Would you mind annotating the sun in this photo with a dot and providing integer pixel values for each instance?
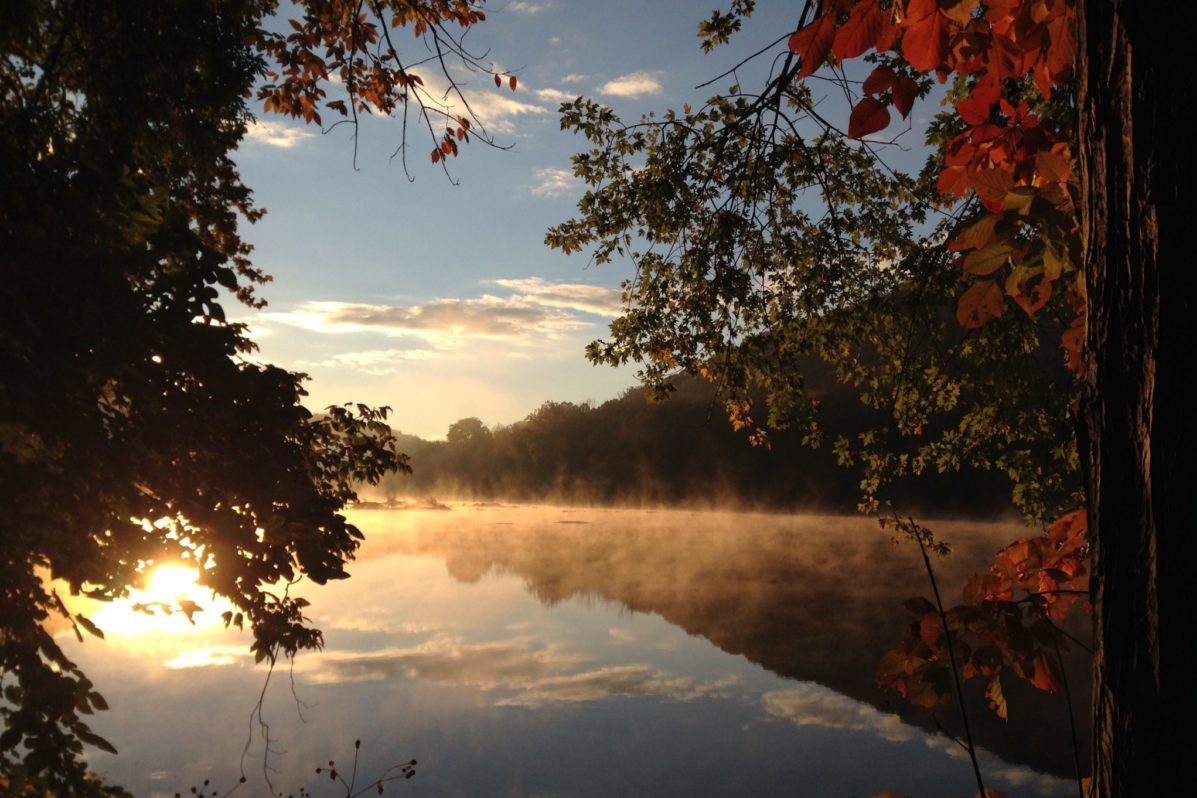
(169, 583)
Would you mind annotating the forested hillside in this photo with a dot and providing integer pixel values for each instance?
(632, 451)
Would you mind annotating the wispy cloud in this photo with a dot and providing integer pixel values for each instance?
(443, 322)
(553, 181)
(374, 361)
(524, 675)
(208, 657)
(574, 77)
(813, 705)
(555, 95)
(524, 7)
(497, 108)
(637, 84)
(277, 134)
(593, 299)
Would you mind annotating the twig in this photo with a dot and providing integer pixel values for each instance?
(943, 618)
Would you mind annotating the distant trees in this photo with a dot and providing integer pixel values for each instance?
(632, 451)
(134, 426)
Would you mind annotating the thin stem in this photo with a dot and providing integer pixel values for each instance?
(943, 619)
(1076, 749)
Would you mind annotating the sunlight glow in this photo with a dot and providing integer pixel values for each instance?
(169, 583)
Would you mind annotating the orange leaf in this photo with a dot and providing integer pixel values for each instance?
(976, 235)
(1053, 166)
(869, 116)
(959, 10)
(992, 186)
(996, 698)
(812, 44)
(1061, 49)
(980, 303)
(925, 44)
(953, 181)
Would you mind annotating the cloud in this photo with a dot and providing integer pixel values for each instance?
(373, 361)
(524, 7)
(574, 77)
(446, 323)
(487, 666)
(525, 676)
(497, 109)
(552, 181)
(208, 657)
(555, 95)
(602, 683)
(813, 705)
(636, 84)
(276, 134)
(594, 299)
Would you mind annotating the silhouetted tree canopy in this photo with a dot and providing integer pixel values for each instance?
(134, 427)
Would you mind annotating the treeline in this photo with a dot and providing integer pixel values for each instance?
(631, 451)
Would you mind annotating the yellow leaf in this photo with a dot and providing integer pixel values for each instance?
(987, 260)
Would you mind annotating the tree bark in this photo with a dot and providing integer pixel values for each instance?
(1137, 132)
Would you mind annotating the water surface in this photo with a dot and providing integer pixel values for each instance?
(578, 652)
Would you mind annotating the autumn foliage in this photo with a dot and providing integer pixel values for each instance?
(1019, 164)
(1011, 63)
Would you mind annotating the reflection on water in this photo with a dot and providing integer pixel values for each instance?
(579, 652)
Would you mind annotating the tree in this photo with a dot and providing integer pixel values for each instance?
(740, 275)
(1136, 167)
(134, 427)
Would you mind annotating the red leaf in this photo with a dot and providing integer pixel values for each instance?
(1047, 675)
(511, 82)
(869, 116)
(812, 44)
(1061, 49)
(925, 44)
(953, 181)
(498, 81)
(905, 90)
(860, 32)
(879, 80)
(980, 303)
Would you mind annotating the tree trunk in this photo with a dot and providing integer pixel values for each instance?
(1137, 128)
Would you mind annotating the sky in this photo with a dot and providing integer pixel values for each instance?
(440, 300)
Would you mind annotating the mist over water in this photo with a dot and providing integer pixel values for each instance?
(584, 651)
